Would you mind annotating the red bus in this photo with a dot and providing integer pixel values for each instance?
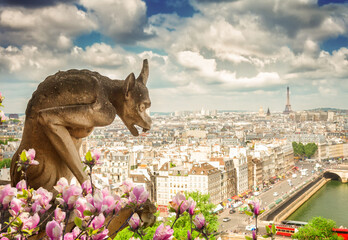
(288, 228)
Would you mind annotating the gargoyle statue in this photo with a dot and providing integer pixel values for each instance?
(65, 108)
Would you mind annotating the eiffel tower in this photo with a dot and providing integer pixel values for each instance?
(288, 105)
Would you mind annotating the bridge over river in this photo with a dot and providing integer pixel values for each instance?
(339, 172)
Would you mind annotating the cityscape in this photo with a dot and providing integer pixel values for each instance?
(232, 156)
(173, 119)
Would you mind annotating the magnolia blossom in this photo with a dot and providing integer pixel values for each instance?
(189, 235)
(29, 158)
(59, 215)
(127, 187)
(254, 234)
(70, 195)
(93, 158)
(192, 205)
(139, 195)
(199, 221)
(255, 207)
(3, 117)
(98, 221)
(29, 222)
(163, 233)
(61, 185)
(73, 235)
(100, 202)
(1, 98)
(15, 207)
(54, 230)
(134, 221)
(87, 187)
(179, 201)
(101, 235)
(22, 184)
(6, 195)
(42, 200)
(80, 207)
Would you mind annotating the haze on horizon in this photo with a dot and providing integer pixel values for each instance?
(224, 55)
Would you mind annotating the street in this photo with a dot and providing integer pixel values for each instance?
(239, 221)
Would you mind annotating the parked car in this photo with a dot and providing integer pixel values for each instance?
(232, 211)
(226, 219)
(275, 194)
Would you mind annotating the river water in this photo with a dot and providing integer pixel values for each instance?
(331, 201)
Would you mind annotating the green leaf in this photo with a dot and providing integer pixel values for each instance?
(88, 156)
(78, 222)
(248, 238)
(24, 156)
(268, 229)
(19, 168)
(265, 236)
(262, 211)
(84, 168)
(87, 213)
(274, 230)
(248, 213)
(95, 231)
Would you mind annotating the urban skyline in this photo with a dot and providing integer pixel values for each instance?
(224, 55)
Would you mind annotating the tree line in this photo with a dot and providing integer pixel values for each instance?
(304, 150)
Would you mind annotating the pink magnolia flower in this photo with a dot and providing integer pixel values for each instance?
(139, 195)
(199, 221)
(30, 222)
(29, 158)
(189, 235)
(22, 184)
(134, 221)
(163, 233)
(80, 207)
(15, 207)
(42, 200)
(254, 235)
(98, 221)
(61, 185)
(100, 203)
(179, 201)
(127, 187)
(255, 207)
(6, 195)
(93, 158)
(70, 195)
(3, 117)
(73, 235)
(192, 205)
(54, 230)
(59, 215)
(87, 187)
(100, 236)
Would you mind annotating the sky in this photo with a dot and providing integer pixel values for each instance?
(222, 54)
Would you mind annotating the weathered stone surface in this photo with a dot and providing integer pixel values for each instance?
(65, 108)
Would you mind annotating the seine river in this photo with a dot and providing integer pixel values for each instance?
(331, 201)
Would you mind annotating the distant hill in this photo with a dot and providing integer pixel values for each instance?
(327, 110)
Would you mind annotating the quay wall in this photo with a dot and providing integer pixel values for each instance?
(284, 209)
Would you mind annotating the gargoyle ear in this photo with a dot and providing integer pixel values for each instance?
(144, 74)
(129, 84)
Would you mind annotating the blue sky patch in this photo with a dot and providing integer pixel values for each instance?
(181, 7)
(335, 44)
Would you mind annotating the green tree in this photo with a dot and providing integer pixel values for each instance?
(310, 149)
(5, 163)
(317, 228)
(299, 149)
(183, 224)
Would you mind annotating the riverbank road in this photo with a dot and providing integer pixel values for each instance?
(285, 186)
